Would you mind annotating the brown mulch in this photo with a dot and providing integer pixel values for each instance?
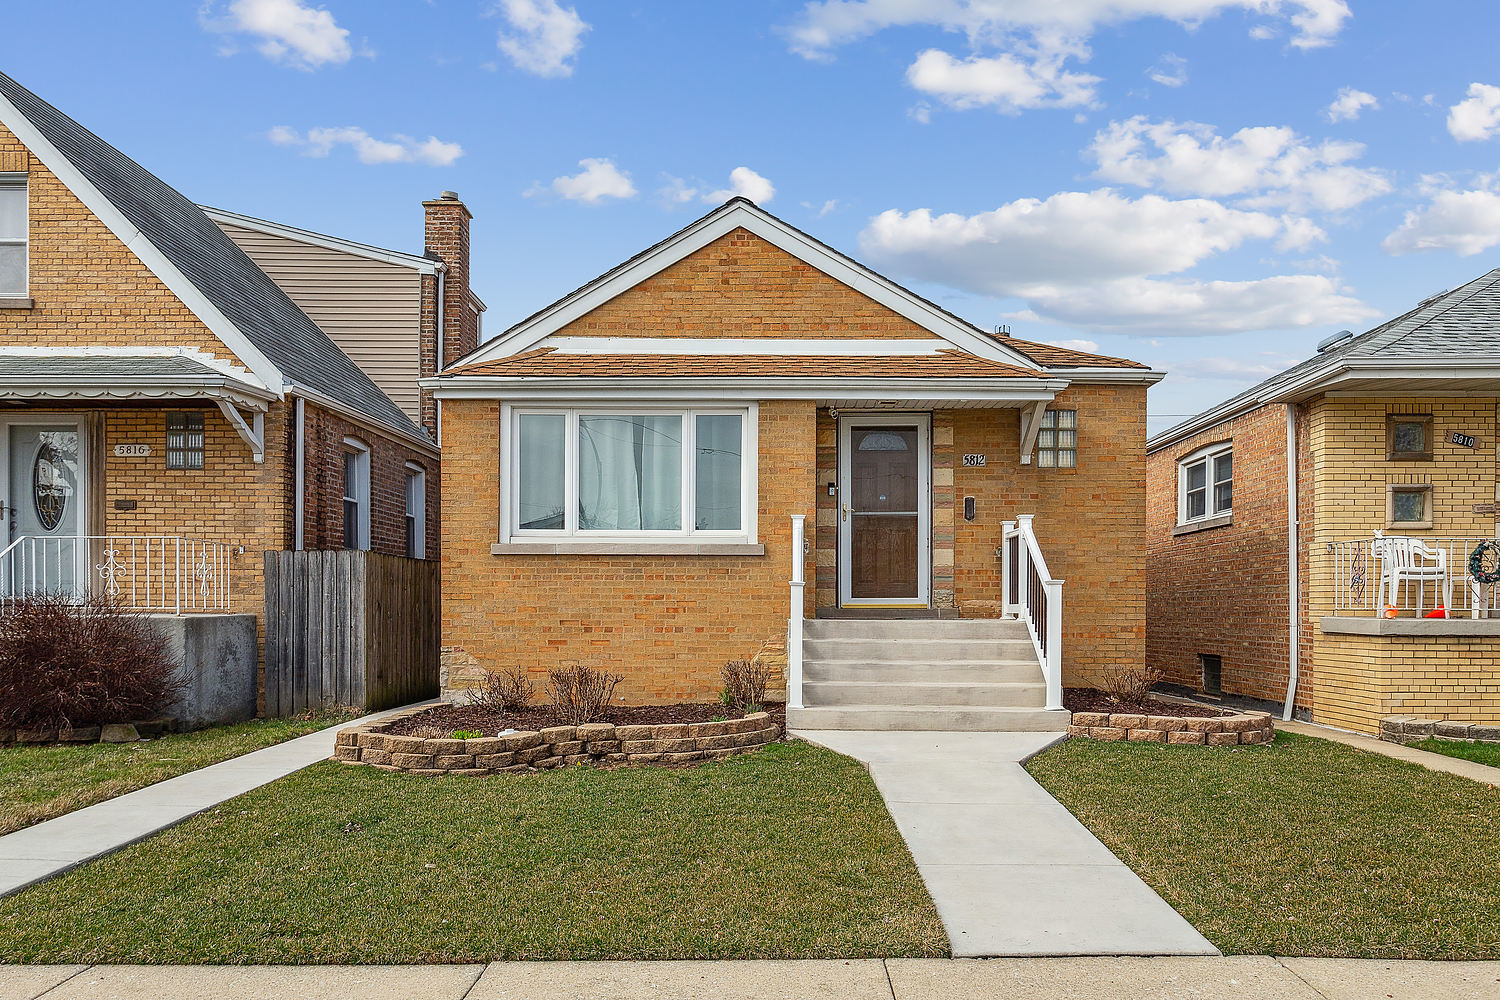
(489, 722)
(1094, 700)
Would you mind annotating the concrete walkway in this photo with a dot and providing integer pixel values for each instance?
(1243, 978)
(47, 849)
(1011, 871)
(1431, 761)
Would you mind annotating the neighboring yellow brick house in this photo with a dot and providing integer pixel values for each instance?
(160, 386)
(1382, 450)
(742, 443)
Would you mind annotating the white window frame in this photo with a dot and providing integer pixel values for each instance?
(571, 533)
(23, 181)
(361, 492)
(1204, 456)
(419, 514)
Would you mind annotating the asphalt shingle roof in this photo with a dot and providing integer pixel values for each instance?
(105, 366)
(547, 362)
(209, 259)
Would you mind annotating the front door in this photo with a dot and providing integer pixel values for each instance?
(43, 495)
(885, 505)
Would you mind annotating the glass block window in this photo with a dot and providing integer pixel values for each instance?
(184, 440)
(1409, 506)
(1057, 441)
(1408, 437)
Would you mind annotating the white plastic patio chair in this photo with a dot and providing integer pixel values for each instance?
(1404, 559)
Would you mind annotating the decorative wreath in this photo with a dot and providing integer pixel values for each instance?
(1484, 562)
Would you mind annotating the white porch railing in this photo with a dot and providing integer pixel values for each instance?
(794, 615)
(1373, 573)
(1035, 597)
(163, 573)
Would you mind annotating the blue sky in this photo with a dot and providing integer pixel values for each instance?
(1077, 169)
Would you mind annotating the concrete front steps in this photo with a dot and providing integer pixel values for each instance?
(967, 675)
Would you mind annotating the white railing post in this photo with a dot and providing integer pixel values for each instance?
(1007, 529)
(794, 616)
(1053, 666)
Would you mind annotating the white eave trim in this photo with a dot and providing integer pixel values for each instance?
(118, 387)
(136, 242)
(715, 225)
(934, 390)
(1142, 376)
(416, 263)
(418, 442)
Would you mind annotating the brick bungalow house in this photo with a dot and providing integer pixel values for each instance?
(635, 473)
(182, 388)
(1379, 452)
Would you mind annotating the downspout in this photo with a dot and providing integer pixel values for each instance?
(300, 453)
(1294, 629)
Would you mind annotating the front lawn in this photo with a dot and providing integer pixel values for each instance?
(40, 782)
(1479, 753)
(786, 852)
(1303, 847)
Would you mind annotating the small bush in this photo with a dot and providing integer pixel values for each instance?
(466, 734)
(745, 685)
(1130, 682)
(429, 732)
(70, 662)
(510, 690)
(580, 694)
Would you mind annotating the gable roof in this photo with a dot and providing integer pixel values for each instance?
(1452, 334)
(224, 217)
(201, 265)
(548, 362)
(1052, 356)
(741, 213)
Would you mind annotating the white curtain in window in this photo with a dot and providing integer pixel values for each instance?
(717, 475)
(630, 473)
(541, 479)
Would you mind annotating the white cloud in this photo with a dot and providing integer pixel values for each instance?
(744, 183)
(1231, 369)
(544, 36)
(598, 181)
(1466, 222)
(1349, 103)
(288, 31)
(431, 151)
(1266, 166)
(1086, 346)
(1476, 117)
(1005, 82)
(1170, 70)
(1097, 260)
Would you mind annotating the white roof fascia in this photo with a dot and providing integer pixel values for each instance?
(136, 242)
(1148, 376)
(418, 442)
(720, 223)
(413, 261)
(113, 387)
(871, 389)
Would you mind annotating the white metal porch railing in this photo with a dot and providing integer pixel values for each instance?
(794, 615)
(1364, 570)
(163, 573)
(1032, 594)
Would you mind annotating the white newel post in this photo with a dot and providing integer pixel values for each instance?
(1054, 644)
(1007, 528)
(794, 617)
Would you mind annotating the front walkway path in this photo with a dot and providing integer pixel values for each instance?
(1244, 978)
(1011, 870)
(1428, 759)
(39, 852)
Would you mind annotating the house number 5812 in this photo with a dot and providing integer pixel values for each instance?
(973, 459)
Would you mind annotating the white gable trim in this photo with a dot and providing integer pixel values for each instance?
(416, 263)
(738, 346)
(136, 242)
(739, 214)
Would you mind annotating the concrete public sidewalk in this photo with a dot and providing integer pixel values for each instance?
(1243, 978)
(1011, 871)
(48, 849)
(1432, 761)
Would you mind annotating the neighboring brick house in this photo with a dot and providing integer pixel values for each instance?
(623, 470)
(1392, 432)
(179, 383)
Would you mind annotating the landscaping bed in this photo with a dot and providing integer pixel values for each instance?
(784, 853)
(1155, 720)
(1094, 700)
(488, 721)
(1304, 847)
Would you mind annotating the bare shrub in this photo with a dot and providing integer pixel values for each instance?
(745, 684)
(66, 661)
(1130, 682)
(429, 733)
(580, 694)
(510, 690)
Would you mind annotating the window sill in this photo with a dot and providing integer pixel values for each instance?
(1348, 625)
(16, 303)
(1408, 526)
(585, 548)
(1221, 521)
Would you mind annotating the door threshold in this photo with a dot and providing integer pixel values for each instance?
(886, 613)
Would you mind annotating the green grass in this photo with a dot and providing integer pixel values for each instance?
(1303, 847)
(1479, 753)
(40, 782)
(786, 852)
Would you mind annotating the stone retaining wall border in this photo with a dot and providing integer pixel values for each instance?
(1414, 729)
(1244, 729)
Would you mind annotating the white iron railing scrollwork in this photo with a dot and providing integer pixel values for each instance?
(162, 573)
(1031, 593)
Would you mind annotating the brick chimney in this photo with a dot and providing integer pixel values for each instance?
(447, 239)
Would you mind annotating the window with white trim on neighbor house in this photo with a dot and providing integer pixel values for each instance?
(416, 511)
(1205, 483)
(13, 236)
(637, 473)
(356, 494)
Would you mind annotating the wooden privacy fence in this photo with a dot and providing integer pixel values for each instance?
(349, 628)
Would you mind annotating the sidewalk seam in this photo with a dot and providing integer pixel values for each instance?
(69, 979)
(482, 970)
(1300, 977)
(885, 966)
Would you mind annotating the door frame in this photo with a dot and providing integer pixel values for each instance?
(85, 472)
(886, 418)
